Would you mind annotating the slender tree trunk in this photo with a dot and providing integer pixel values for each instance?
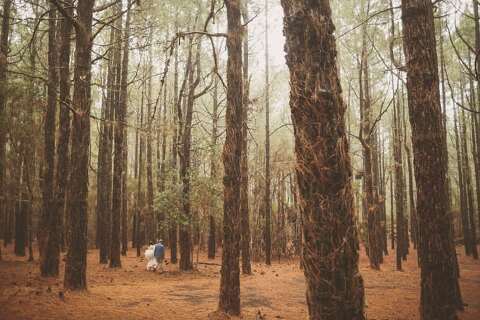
(76, 263)
(213, 172)
(50, 238)
(439, 287)
(468, 187)
(334, 287)
(63, 159)
(3, 104)
(463, 211)
(399, 187)
(20, 212)
(172, 222)
(118, 170)
(477, 116)
(185, 230)
(368, 144)
(268, 200)
(244, 205)
(141, 171)
(149, 215)
(232, 153)
(122, 117)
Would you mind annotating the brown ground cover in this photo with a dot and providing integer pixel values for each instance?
(278, 291)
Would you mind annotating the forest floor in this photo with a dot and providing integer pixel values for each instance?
(278, 291)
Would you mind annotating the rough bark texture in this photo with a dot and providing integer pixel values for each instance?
(104, 172)
(399, 186)
(118, 169)
(49, 228)
(185, 232)
(244, 206)
(3, 102)
(438, 280)
(330, 255)
(76, 262)
(232, 152)
(63, 159)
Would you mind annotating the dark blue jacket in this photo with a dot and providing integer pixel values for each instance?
(159, 251)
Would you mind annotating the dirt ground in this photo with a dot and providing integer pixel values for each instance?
(278, 291)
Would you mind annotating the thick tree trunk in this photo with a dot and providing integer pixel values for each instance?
(334, 287)
(232, 153)
(439, 293)
(76, 263)
(49, 227)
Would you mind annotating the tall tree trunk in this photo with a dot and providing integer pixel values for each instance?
(185, 229)
(63, 159)
(50, 232)
(268, 200)
(76, 263)
(244, 206)
(468, 186)
(20, 212)
(369, 163)
(334, 287)
(477, 116)
(104, 172)
(123, 113)
(439, 287)
(141, 172)
(232, 153)
(149, 215)
(463, 210)
(176, 105)
(213, 172)
(399, 186)
(3, 104)
(118, 169)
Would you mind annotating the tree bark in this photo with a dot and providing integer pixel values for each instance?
(119, 125)
(104, 172)
(268, 200)
(467, 242)
(334, 286)
(76, 262)
(3, 104)
(232, 153)
(50, 233)
(244, 205)
(63, 159)
(439, 293)
(123, 110)
(213, 173)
